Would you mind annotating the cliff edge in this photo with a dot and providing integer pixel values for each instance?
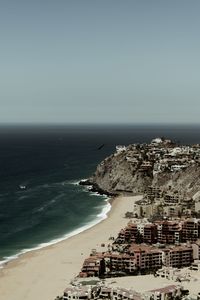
(161, 163)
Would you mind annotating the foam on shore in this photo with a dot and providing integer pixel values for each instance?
(28, 276)
(99, 218)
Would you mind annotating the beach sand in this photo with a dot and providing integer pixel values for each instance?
(44, 274)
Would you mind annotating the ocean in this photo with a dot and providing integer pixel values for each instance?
(41, 202)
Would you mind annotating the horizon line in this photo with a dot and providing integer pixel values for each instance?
(33, 124)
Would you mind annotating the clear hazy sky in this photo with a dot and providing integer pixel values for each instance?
(105, 61)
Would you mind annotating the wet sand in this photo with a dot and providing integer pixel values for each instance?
(44, 274)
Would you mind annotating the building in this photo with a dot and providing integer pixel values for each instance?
(131, 232)
(146, 166)
(146, 257)
(148, 233)
(138, 233)
(190, 230)
(116, 262)
(168, 232)
(124, 294)
(153, 193)
(77, 293)
(168, 292)
(195, 265)
(93, 266)
(171, 198)
(196, 250)
(178, 256)
(172, 211)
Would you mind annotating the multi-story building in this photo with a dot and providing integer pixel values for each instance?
(91, 266)
(163, 232)
(148, 233)
(168, 232)
(153, 192)
(116, 262)
(146, 257)
(138, 233)
(131, 232)
(139, 257)
(172, 211)
(190, 230)
(171, 198)
(168, 292)
(178, 256)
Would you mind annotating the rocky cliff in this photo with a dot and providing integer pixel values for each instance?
(125, 172)
(116, 175)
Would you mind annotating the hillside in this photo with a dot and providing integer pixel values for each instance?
(162, 163)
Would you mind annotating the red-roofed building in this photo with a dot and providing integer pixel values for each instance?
(168, 292)
(146, 257)
(190, 230)
(178, 257)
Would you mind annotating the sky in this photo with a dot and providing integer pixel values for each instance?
(106, 61)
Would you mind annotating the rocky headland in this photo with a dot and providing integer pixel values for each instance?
(162, 163)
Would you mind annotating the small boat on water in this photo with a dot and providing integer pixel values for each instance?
(22, 187)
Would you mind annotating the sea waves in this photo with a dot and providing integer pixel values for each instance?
(95, 220)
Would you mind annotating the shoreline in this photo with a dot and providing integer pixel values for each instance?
(99, 218)
(46, 272)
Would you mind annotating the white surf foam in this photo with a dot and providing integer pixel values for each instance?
(76, 182)
(99, 218)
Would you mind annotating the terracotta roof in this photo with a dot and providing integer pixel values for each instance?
(145, 248)
(181, 248)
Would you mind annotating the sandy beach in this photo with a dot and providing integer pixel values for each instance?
(44, 274)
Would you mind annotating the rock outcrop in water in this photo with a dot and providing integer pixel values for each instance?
(161, 163)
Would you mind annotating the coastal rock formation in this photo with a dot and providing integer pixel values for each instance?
(162, 163)
(116, 175)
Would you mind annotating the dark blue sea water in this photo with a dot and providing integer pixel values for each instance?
(48, 161)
